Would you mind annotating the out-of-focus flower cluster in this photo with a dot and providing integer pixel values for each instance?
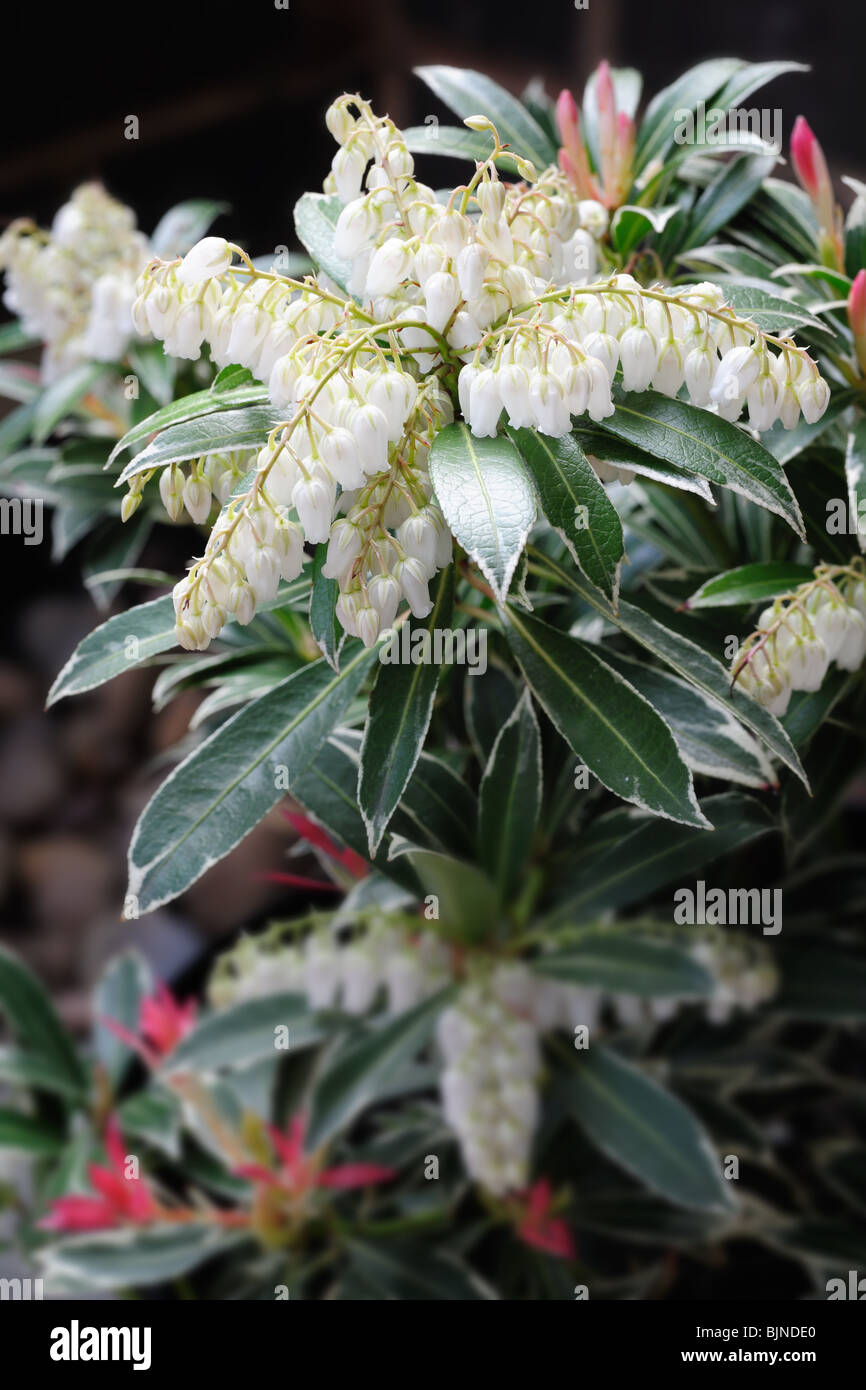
(489, 1036)
(798, 636)
(487, 300)
(73, 287)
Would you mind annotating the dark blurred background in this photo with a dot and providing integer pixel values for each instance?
(230, 98)
(230, 102)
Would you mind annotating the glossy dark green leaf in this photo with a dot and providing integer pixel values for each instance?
(486, 495)
(469, 93)
(687, 660)
(192, 407)
(323, 618)
(358, 1071)
(749, 584)
(613, 729)
(627, 857)
(646, 1130)
(33, 1021)
(575, 504)
(228, 783)
(702, 443)
(315, 219)
(622, 961)
(217, 432)
(510, 799)
(400, 710)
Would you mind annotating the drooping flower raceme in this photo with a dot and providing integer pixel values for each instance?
(73, 287)
(489, 302)
(489, 1037)
(798, 636)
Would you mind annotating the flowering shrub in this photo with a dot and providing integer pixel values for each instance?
(518, 409)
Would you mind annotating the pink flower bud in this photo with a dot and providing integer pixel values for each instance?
(857, 316)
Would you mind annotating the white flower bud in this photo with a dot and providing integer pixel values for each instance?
(485, 405)
(418, 536)
(209, 257)
(344, 547)
(355, 226)
(471, 265)
(639, 356)
(490, 196)
(735, 373)
(369, 426)
(171, 491)
(390, 266)
(441, 297)
(197, 499)
(700, 369)
(412, 578)
(313, 500)
(383, 592)
(341, 457)
(348, 167)
(814, 397)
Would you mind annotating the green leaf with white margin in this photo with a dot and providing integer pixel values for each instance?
(646, 1130)
(748, 584)
(130, 639)
(630, 224)
(135, 1257)
(510, 799)
(663, 116)
(711, 741)
(394, 1271)
(30, 1071)
(315, 220)
(619, 454)
(576, 505)
(855, 474)
(28, 1133)
(467, 902)
(613, 729)
(469, 93)
(455, 142)
(155, 1116)
(191, 407)
(688, 660)
(623, 961)
(726, 195)
(486, 497)
(244, 1033)
(702, 443)
(183, 225)
(360, 1070)
(772, 313)
(126, 981)
(32, 1019)
(220, 431)
(323, 617)
(399, 713)
(63, 395)
(227, 784)
(625, 857)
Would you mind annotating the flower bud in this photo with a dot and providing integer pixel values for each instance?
(209, 257)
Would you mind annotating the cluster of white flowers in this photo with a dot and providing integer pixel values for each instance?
(743, 974)
(73, 287)
(489, 1037)
(799, 635)
(486, 297)
(558, 359)
(380, 962)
